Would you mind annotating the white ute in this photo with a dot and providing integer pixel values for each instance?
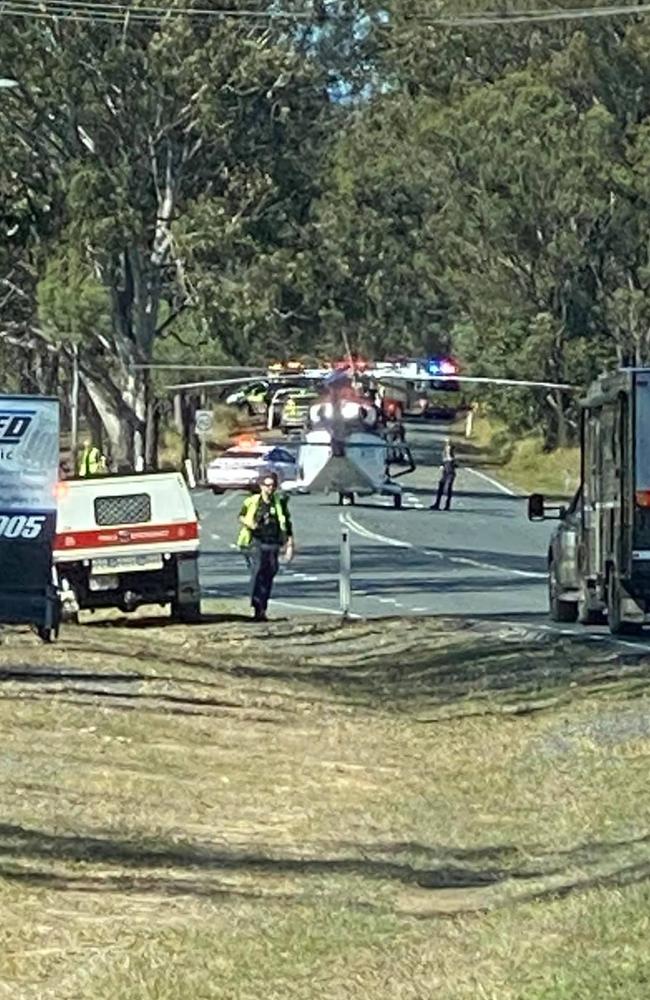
(124, 541)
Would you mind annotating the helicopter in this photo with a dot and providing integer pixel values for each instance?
(346, 450)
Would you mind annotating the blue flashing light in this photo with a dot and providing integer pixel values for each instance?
(442, 366)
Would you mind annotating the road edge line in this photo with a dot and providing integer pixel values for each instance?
(494, 482)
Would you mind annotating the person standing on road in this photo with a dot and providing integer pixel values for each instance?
(447, 476)
(265, 531)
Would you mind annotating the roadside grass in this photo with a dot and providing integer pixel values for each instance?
(523, 463)
(307, 809)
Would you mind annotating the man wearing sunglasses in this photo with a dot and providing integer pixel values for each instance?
(265, 531)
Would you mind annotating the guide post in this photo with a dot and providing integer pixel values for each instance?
(345, 569)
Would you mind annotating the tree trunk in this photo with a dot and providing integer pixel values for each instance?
(151, 435)
(562, 430)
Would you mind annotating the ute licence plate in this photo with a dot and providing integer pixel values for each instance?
(125, 564)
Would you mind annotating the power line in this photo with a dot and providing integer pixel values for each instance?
(535, 16)
(118, 12)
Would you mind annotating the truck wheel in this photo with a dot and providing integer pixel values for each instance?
(397, 501)
(49, 633)
(559, 610)
(587, 615)
(617, 624)
(189, 613)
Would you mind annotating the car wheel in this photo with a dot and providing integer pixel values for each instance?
(559, 610)
(217, 490)
(397, 501)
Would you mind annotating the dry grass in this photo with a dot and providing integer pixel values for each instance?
(524, 463)
(386, 809)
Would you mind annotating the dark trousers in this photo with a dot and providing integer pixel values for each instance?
(445, 486)
(263, 563)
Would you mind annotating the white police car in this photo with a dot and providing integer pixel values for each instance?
(241, 466)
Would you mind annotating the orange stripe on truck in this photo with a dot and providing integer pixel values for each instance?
(66, 541)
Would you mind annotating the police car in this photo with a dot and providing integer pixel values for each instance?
(241, 466)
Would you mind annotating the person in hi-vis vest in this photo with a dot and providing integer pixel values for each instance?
(265, 531)
(91, 460)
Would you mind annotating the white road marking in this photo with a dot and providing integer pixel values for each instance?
(359, 529)
(633, 645)
(215, 537)
(225, 500)
(494, 482)
(364, 532)
(310, 607)
(419, 609)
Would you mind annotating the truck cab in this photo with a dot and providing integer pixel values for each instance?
(599, 555)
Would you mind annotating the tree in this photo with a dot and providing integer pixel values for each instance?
(137, 130)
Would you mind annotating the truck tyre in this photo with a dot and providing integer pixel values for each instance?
(48, 633)
(189, 613)
(587, 615)
(397, 501)
(617, 624)
(559, 610)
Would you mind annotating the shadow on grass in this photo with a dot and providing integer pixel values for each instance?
(386, 667)
(21, 843)
(152, 621)
(460, 869)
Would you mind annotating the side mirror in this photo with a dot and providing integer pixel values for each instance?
(536, 507)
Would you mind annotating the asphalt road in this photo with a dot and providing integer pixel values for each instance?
(483, 558)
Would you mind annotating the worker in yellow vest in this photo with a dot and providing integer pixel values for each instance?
(91, 461)
(265, 531)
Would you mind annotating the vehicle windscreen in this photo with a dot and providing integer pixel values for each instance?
(642, 435)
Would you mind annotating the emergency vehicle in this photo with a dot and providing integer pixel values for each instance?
(599, 555)
(125, 541)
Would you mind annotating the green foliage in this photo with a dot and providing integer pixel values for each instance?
(227, 191)
(71, 304)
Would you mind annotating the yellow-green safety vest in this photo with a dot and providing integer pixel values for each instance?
(90, 461)
(251, 504)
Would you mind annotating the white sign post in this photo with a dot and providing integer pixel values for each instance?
(345, 569)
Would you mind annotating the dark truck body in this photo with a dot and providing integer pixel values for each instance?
(599, 556)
